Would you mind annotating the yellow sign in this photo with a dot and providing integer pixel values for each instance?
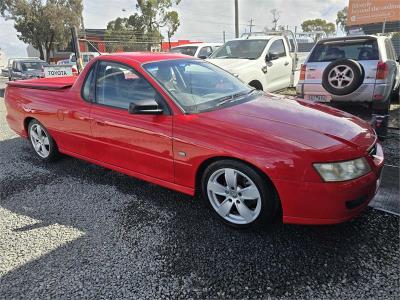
(373, 11)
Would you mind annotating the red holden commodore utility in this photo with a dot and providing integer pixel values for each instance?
(190, 126)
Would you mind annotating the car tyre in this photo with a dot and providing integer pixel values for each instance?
(238, 195)
(342, 77)
(42, 142)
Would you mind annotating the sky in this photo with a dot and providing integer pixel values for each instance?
(202, 20)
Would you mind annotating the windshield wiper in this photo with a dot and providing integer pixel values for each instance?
(231, 98)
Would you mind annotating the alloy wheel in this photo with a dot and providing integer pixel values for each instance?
(40, 140)
(341, 76)
(234, 196)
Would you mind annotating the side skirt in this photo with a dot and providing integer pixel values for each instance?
(163, 183)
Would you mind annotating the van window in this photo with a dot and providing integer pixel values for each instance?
(357, 50)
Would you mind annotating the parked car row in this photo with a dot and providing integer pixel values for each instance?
(357, 69)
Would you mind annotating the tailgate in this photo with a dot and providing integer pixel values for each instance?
(57, 83)
(315, 71)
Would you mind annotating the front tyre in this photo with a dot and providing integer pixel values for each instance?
(42, 142)
(238, 195)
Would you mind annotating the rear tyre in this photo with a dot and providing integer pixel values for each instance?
(342, 77)
(238, 195)
(42, 142)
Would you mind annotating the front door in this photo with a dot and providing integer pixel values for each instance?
(140, 143)
(279, 67)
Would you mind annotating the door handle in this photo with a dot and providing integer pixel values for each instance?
(286, 63)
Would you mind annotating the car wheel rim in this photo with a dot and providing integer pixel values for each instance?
(40, 140)
(234, 196)
(341, 77)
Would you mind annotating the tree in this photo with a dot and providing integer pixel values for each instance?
(43, 24)
(157, 14)
(142, 29)
(276, 15)
(171, 21)
(341, 19)
(318, 25)
(125, 34)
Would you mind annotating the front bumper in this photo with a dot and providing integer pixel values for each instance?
(328, 202)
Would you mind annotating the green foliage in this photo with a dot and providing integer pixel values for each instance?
(341, 19)
(318, 25)
(125, 34)
(171, 21)
(142, 29)
(43, 24)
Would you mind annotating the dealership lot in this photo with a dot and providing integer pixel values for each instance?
(72, 229)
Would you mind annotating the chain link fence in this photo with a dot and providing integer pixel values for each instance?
(111, 42)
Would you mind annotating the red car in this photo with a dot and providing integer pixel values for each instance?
(187, 125)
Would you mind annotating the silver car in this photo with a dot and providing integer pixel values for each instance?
(352, 69)
(26, 69)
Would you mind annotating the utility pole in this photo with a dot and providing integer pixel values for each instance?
(251, 25)
(77, 51)
(223, 36)
(84, 32)
(236, 18)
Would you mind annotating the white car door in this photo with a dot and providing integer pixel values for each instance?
(279, 67)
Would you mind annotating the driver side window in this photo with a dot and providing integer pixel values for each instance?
(118, 85)
(277, 48)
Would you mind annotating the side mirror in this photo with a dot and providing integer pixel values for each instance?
(272, 56)
(145, 107)
(203, 56)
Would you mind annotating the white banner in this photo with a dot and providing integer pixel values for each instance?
(57, 71)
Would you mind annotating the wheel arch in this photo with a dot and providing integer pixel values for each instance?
(27, 120)
(204, 164)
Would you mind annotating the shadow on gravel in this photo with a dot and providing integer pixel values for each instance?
(145, 241)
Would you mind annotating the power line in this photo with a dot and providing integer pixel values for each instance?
(251, 24)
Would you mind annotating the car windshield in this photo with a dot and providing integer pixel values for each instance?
(351, 49)
(32, 66)
(247, 49)
(198, 85)
(188, 50)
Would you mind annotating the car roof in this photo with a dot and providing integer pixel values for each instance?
(198, 44)
(144, 57)
(256, 37)
(348, 38)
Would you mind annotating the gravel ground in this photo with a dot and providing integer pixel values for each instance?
(75, 230)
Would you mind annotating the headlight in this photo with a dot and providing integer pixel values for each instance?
(342, 171)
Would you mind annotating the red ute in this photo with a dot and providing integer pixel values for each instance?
(187, 125)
